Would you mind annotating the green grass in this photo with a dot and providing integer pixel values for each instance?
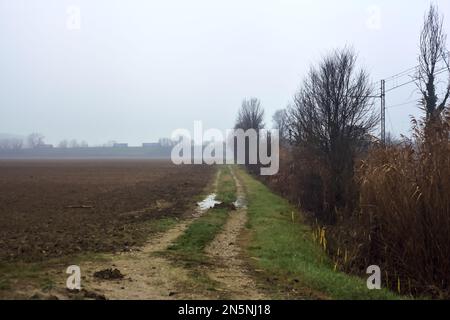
(189, 247)
(285, 249)
(31, 273)
(161, 224)
(226, 189)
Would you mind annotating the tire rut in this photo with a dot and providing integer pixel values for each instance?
(147, 274)
(228, 268)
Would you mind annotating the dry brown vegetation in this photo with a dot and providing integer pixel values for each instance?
(373, 203)
(405, 210)
(399, 214)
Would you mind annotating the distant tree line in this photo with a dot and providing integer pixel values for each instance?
(37, 140)
(34, 140)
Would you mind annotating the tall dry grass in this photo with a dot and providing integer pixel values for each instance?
(398, 215)
(405, 211)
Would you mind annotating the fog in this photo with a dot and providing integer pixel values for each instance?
(134, 71)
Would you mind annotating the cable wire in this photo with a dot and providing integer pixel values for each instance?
(401, 104)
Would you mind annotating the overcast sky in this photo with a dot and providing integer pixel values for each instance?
(134, 71)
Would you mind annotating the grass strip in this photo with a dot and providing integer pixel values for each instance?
(190, 246)
(284, 248)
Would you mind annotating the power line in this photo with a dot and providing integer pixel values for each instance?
(442, 70)
(401, 74)
(383, 91)
(401, 104)
(401, 85)
(405, 72)
(382, 95)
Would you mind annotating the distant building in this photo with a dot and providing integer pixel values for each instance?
(120, 145)
(150, 145)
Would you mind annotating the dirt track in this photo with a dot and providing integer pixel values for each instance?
(148, 275)
(228, 267)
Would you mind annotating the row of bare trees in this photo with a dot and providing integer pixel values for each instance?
(64, 144)
(34, 140)
(384, 204)
(11, 144)
(37, 140)
(331, 122)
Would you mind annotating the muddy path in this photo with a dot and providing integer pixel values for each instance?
(228, 268)
(148, 274)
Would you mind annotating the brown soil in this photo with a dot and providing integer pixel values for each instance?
(144, 273)
(54, 208)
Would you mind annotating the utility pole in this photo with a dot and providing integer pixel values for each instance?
(382, 97)
(383, 112)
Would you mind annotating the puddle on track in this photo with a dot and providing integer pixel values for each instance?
(207, 203)
(210, 201)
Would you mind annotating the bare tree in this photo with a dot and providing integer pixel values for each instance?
(331, 119)
(4, 144)
(279, 119)
(16, 143)
(433, 58)
(73, 144)
(251, 115)
(11, 144)
(63, 144)
(35, 140)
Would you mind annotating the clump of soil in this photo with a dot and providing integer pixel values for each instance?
(109, 274)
